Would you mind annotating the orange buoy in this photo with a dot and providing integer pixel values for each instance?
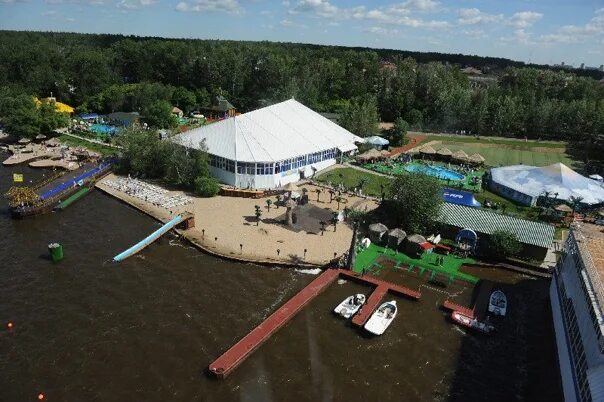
(9, 325)
(40, 397)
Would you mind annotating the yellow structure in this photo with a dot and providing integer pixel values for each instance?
(59, 106)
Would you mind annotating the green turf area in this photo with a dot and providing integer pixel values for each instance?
(515, 143)
(396, 168)
(504, 155)
(76, 142)
(366, 261)
(350, 178)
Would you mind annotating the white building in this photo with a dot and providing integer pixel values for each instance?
(577, 297)
(272, 146)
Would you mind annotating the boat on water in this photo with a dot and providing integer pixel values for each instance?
(350, 305)
(498, 303)
(381, 319)
(471, 322)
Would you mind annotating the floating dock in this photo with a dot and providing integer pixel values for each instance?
(166, 227)
(233, 357)
(73, 198)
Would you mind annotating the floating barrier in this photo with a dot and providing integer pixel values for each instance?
(73, 198)
(150, 239)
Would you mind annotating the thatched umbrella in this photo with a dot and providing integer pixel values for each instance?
(290, 187)
(53, 142)
(24, 141)
(427, 150)
(376, 232)
(460, 155)
(40, 137)
(396, 237)
(444, 152)
(476, 158)
(563, 208)
(371, 154)
(385, 153)
(412, 243)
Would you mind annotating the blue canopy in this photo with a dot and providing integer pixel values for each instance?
(375, 140)
(89, 116)
(460, 197)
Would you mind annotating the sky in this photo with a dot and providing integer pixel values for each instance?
(538, 31)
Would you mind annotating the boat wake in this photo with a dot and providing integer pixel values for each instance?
(309, 271)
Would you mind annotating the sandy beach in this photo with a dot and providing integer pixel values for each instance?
(227, 227)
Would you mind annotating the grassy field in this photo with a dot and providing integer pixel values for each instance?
(350, 178)
(503, 152)
(76, 142)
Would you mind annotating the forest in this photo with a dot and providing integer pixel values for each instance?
(105, 73)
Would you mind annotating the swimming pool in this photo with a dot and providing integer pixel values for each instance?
(103, 129)
(435, 171)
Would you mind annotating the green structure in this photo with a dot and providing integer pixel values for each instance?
(367, 261)
(73, 198)
(56, 252)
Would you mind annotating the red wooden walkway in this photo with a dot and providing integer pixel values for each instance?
(457, 307)
(372, 280)
(369, 307)
(226, 363)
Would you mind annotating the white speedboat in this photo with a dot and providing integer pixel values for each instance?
(471, 322)
(350, 305)
(498, 303)
(381, 318)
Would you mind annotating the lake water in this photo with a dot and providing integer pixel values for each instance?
(87, 329)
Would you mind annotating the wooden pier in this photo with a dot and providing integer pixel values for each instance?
(449, 305)
(233, 357)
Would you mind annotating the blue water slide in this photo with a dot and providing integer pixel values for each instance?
(149, 239)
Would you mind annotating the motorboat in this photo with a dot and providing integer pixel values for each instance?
(381, 318)
(350, 305)
(498, 303)
(471, 322)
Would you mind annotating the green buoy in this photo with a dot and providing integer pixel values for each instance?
(56, 252)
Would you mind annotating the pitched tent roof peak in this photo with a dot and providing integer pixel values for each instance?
(272, 133)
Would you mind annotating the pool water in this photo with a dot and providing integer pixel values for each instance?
(435, 171)
(103, 129)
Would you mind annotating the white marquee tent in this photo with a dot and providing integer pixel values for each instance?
(272, 146)
(526, 184)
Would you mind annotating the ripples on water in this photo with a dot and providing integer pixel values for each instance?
(91, 330)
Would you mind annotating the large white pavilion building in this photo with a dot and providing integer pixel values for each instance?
(272, 146)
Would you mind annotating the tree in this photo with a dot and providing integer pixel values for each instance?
(360, 116)
(258, 215)
(334, 221)
(318, 191)
(416, 201)
(504, 244)
(21, 117)
(268, 204)
(323, 224)
(159, 114)
(398, 133)
(575, 202)
(184, 99)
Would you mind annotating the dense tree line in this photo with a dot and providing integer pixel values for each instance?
(105, 73)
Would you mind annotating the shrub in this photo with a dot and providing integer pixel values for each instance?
(206, 186)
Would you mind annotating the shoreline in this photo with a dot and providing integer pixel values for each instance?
(198, 243)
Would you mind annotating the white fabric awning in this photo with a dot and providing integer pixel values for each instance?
(274, 133)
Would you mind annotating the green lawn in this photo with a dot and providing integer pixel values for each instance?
(511, 143)
(367, 259)
(76, 142)
(350, 178)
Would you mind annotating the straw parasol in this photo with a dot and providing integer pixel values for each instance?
(53, 142)
(476, 158)
(40, 137)
(396, 237)
(371, 154)
(24, 141)
(460, 155)
(290, 187)
(427, 150)
(444, 152)
(563, 208)
(385, 153)
(376, 232)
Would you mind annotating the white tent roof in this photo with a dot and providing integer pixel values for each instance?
(556, 178)
(281, 131)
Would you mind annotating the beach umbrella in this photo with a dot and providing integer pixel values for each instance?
(563, 208)
(476, 158)
(376, 232)
(396, 237)
(290, 187)
(427, 150)
(24, 140)
(40, 137)
(444, 152)
(460, 155)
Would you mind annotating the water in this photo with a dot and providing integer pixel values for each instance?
(436, 171)
(103, 129)
(146, 329)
